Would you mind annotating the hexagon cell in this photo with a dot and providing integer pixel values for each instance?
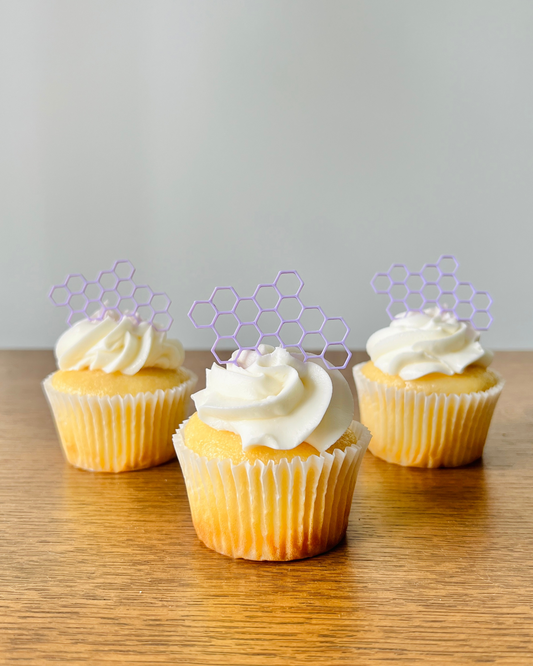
(111, 299)
(337, 348)
(75, 283)
(312, 319)
(143, 294)
(224, 299)
(291, 332)
(160, 302)
(247, 333)
(162, 321)
(113, 290)
(93, 291)
(125, 288)
(290, 307)
(247, 310)
(123, 269)
(398, 273)
(266, 296)
(219, 347)
(77, 303)
(381, 283)
(202, 314)
(279, 309)
(335, 330)
(434, 284)
(288, 283)
(108, 279)
(430, 273)
(59, 295)
(226, 324)
(448, 264)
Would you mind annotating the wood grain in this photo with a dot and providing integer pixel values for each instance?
(437, 567)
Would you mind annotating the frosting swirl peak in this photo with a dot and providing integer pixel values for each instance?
(271, 398)
(420, 343)
(117, 345)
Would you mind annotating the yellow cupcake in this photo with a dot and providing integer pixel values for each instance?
(119, 394)
(258, 491)
(427, 395)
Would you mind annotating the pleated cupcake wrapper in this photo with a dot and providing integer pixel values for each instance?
(274, 511)
(417, 430)
(119, 434)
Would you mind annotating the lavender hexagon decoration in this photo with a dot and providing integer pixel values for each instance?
(112, 291)
(434, 285)
(274, 314)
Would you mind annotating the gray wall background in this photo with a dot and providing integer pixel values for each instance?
(216, 142)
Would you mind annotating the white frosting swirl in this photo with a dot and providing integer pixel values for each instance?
(419, 343)
(117, 345)
(273, 399)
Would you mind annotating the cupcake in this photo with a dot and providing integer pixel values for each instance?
(270, 458)
(427, 394)
(119, 393)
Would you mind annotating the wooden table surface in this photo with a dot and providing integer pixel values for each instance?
(437, 567)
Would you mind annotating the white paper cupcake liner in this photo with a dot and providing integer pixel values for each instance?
(413, 429)
(119, 434)
(274, 511)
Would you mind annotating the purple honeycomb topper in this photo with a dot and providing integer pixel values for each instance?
(434, 285)
(275, 315)
(113, 291)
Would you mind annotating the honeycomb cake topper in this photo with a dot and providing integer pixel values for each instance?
(112, 292)
(434, 285)
(273, 313)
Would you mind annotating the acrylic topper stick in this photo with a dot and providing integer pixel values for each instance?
(286, 316)
(434, 285)
(113, 291)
